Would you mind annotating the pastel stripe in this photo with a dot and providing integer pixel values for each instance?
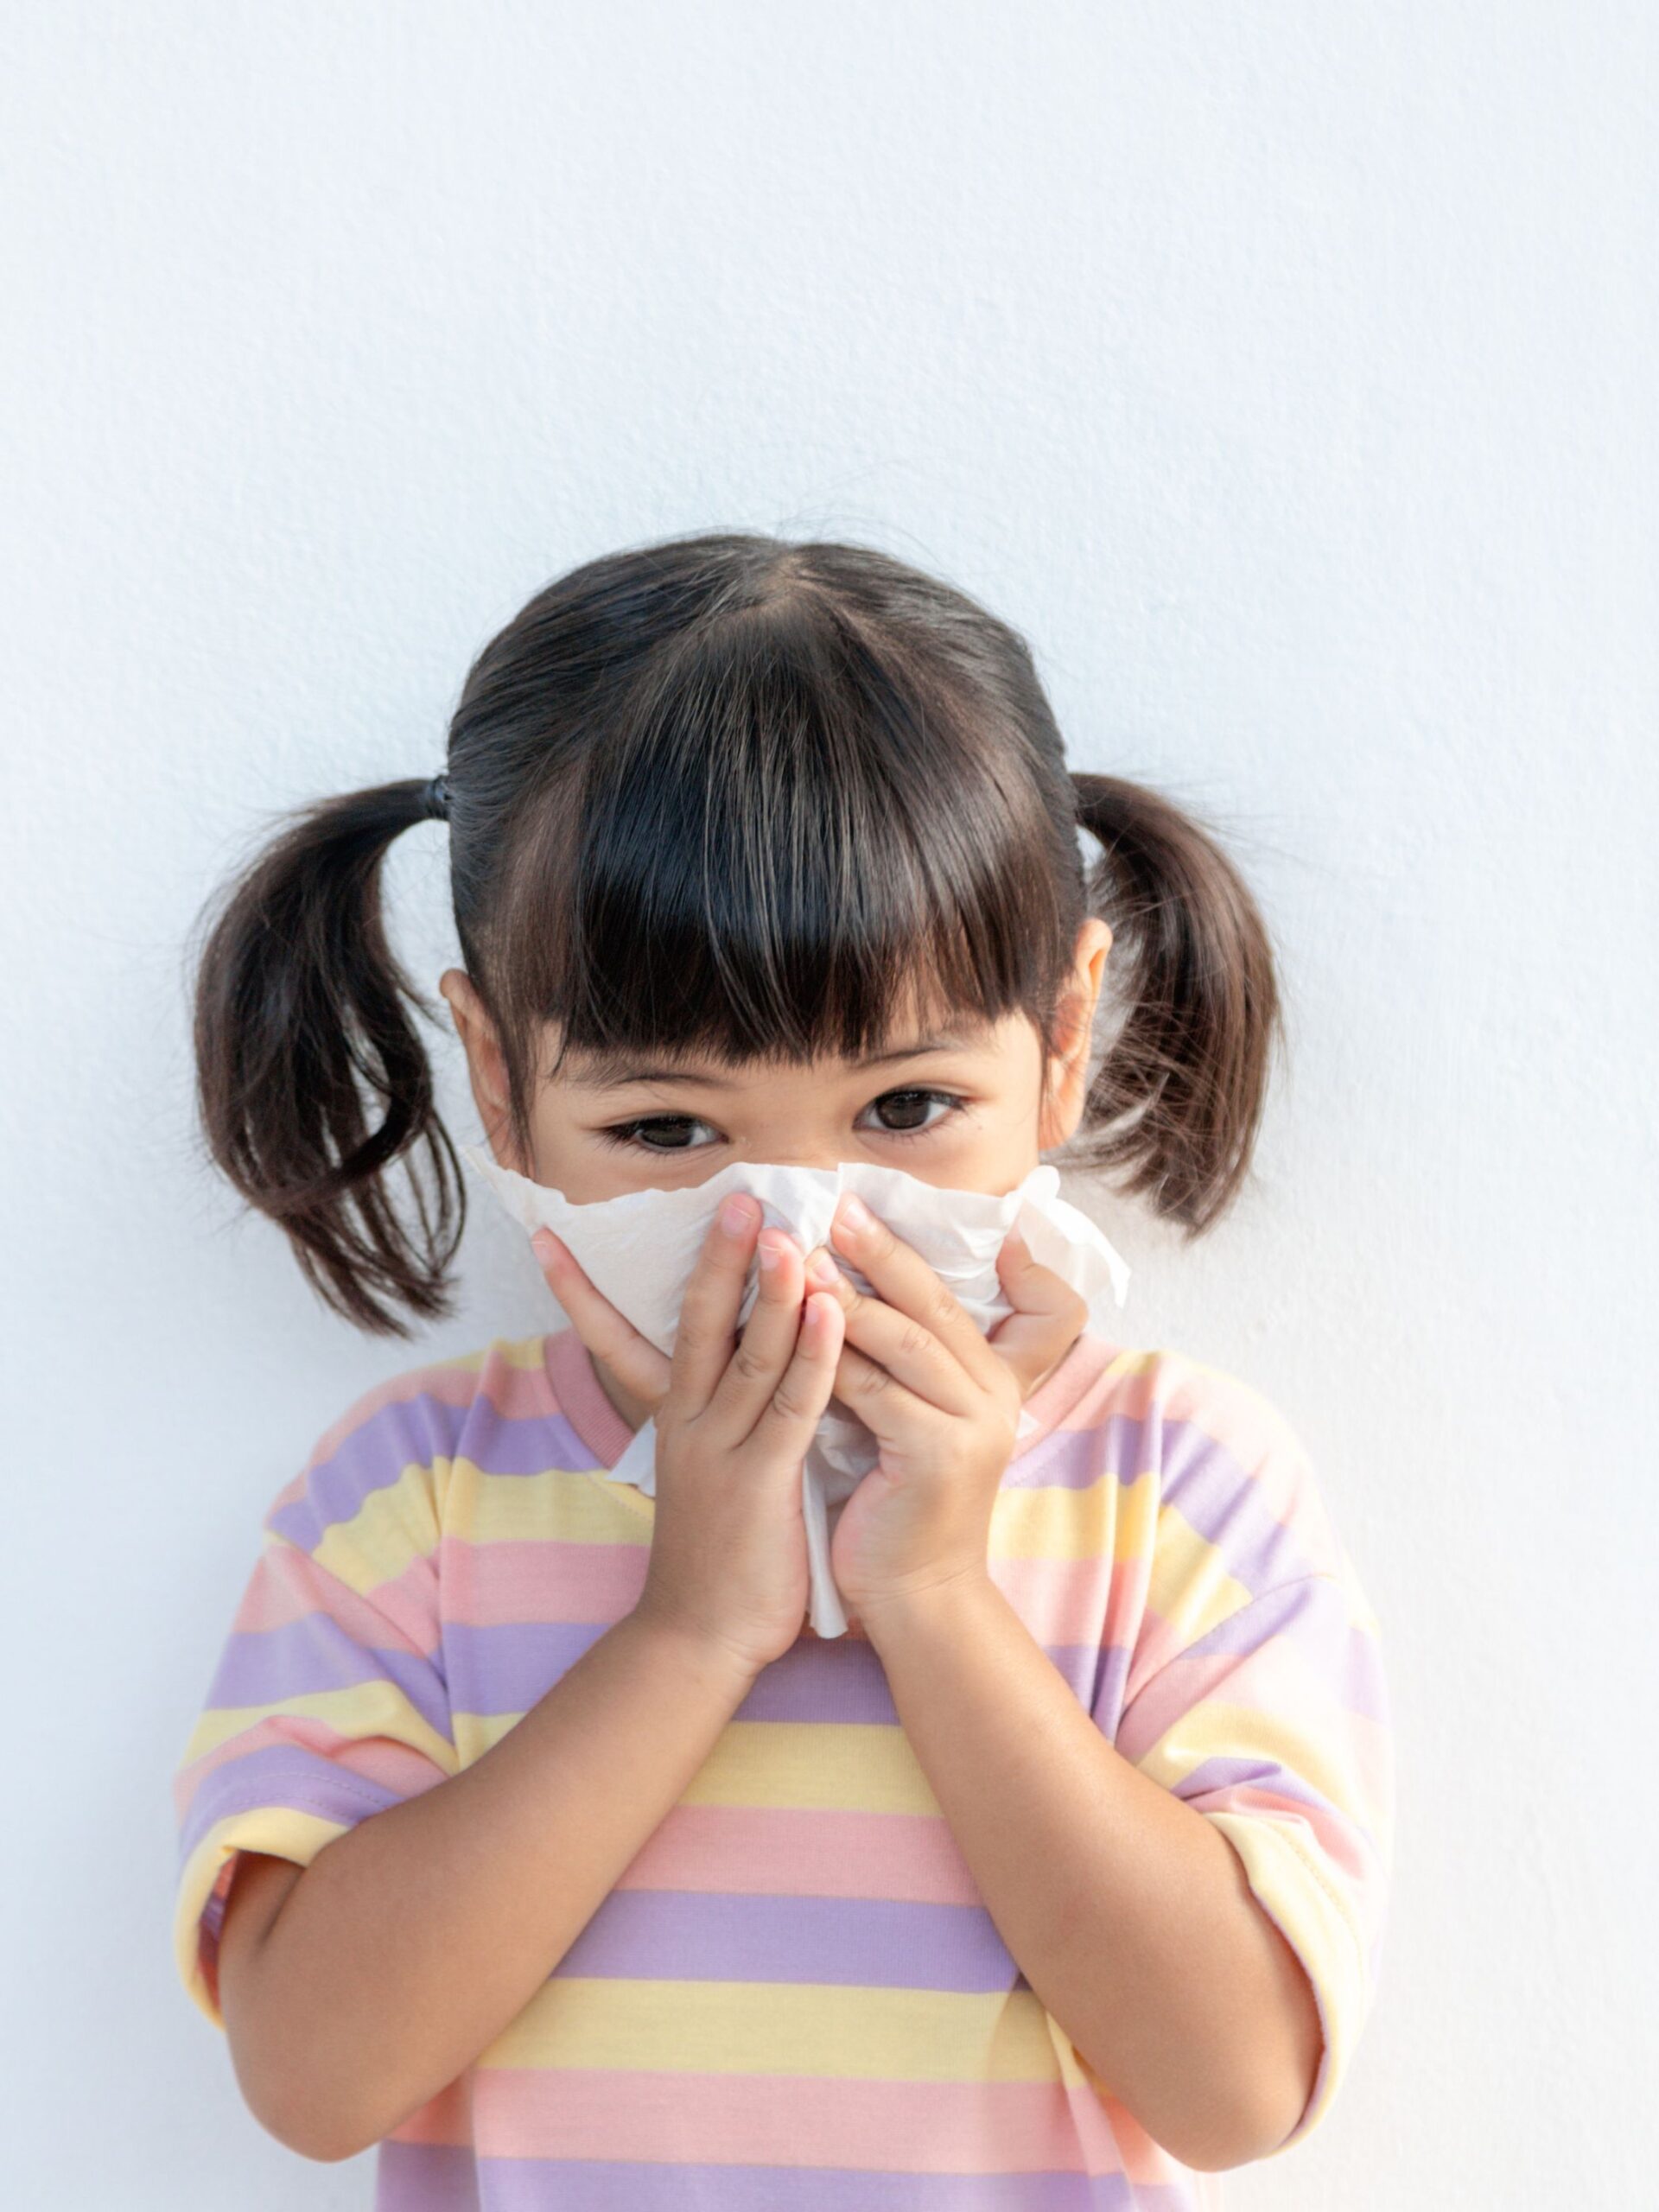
(793, 1995)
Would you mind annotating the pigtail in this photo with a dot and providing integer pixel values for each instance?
(299, 1011)
(1192, 1059)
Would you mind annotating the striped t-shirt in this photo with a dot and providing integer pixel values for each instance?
(794, 1998)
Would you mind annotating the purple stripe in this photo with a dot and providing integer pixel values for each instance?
(1215, 1494)
(1263, 1773)
(1105, 1697)
(287, 1775)
(1213, 1491)
(415, 1432)
(1343, 1662)
(530, 1444)
(492, 1671)
(406, 1431)
(269, 1665)
(436, 2177)
(718, 1935)
(414, 2177)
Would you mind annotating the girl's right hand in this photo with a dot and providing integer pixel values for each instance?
(734, 1417)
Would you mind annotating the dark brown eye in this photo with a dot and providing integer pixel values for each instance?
(675, 1132)
(911, 1106)
(643, 1134)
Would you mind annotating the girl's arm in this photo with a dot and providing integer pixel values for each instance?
(414, 1939)
(1126, 1911)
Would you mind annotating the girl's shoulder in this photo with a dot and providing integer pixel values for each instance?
(1227, 1468)
(390, 1454)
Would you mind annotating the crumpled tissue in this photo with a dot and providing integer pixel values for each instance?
(639, 1251)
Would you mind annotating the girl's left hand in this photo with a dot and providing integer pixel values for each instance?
(942, 1401)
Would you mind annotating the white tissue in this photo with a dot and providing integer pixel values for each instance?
(640, 1250)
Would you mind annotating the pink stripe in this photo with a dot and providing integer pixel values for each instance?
(741, 1850)
(519, 1392)
(287, 1584)
(541, 1579)
(1068, 1398)
(548, 1580)
(544, 1582)
(1364, 1759)
(794, 2120)
(445, 2118)
(377, 1758)
(1331, 1835)
(576, 1389)
(451, 1383)
(1164, 1388)
(1060, 1598)
(516, 1392)
(1158, 1645)
(291, 1492)
(1170, 1386)
(1274, 1680)
(1244, 1425)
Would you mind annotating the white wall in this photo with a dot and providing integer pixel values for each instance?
(1287, 376)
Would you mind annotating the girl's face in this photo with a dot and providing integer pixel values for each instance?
(956, 1105)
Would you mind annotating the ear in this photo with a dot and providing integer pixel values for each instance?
(485, 1066)
(1068, 1074)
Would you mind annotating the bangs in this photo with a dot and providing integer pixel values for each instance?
(780, 846)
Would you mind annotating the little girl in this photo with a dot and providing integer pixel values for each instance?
(1060, 1883)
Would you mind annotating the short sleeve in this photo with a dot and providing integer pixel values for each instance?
(1273, 1722)
(329, 1701)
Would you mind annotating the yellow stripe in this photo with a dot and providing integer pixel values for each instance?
(849, 2032)
(1309, 1744)
(376, 1707)
(512, 1351)
(1290, 1882)
(834, 1766)
(1107, 1519)
(557, 1504)
(397, 1524)
(1190, 1588)
(274, 1828)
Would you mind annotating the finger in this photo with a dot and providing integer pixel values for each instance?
(902, 1280)
(886, 1407)
(1048, 1317)
(796, 1405)
(895, 1348)
(635, 1361)
(768, 1339)
(707, 1317)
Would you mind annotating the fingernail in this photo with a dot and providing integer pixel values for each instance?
(854, 1213)
(769, 1255)
(735, 1216)
(545, 1246)
(822, 1268)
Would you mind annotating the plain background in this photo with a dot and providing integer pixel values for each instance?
(1287, 376)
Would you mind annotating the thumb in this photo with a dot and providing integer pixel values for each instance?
(1048, 1314)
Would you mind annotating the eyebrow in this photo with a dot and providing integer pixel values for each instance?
(607, 1072)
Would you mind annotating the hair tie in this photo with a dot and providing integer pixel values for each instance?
(436, 797)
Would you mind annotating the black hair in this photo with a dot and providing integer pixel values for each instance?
(732, 795)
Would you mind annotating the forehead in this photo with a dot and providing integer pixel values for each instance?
(909, 1038)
